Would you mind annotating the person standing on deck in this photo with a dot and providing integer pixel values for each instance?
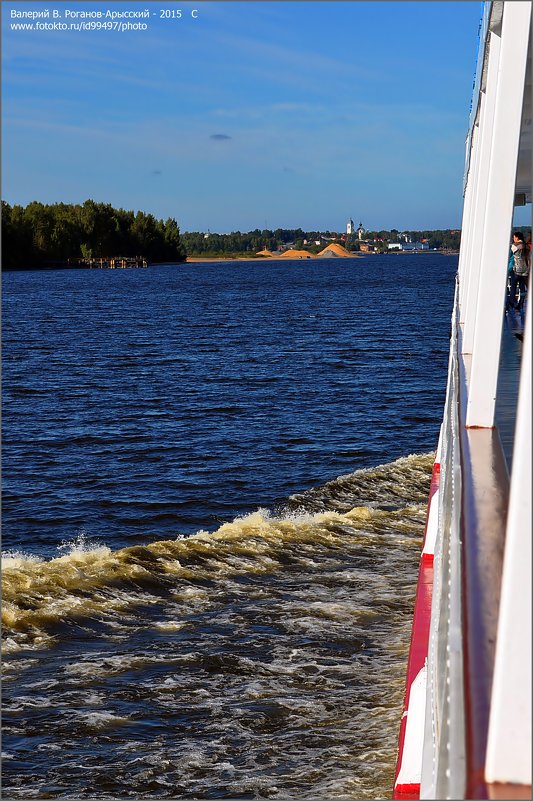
(519, 273)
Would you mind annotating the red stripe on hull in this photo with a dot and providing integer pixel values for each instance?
(407, 791)
(418, 649)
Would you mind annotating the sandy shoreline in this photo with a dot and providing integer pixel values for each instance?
(266, 260)
(194, 260)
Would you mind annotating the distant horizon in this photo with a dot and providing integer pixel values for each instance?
(232, 229)
(341, 231)
(241, 230)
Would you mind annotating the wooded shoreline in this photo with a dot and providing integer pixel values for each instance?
(62, 236)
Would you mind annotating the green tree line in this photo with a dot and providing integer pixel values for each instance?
(198, 243)
(447, 239)
(40, 235)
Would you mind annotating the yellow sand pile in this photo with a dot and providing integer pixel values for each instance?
(264, 252)
(296, 254)
(338, 250)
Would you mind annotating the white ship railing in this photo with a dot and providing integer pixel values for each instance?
(477, 739)
(443, 764)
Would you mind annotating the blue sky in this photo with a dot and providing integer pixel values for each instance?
(253, 115)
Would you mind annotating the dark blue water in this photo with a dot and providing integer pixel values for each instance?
(141, 404)
(215, 489)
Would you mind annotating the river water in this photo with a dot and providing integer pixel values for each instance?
(215, 481)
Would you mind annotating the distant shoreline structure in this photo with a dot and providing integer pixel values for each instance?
(232, 259)
(313, 257)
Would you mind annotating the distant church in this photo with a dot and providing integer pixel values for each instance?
(350, 229)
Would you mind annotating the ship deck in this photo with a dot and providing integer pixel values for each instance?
(508, 381)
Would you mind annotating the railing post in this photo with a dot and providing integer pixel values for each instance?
(468, 315)
(466, 225)
(498, 217)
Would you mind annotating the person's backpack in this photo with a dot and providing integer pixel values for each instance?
(521, 265)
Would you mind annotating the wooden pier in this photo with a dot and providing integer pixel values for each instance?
(111, 262)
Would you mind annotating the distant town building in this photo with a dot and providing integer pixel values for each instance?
(350, 227)
(416, 246)
(408, 246)
(360, 231)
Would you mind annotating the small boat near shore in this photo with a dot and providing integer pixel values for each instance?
(466, 725)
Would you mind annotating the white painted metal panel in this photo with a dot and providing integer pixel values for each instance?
(487, 107)
(467, 224)
(414, 733)
(499, 212)
(509, 740)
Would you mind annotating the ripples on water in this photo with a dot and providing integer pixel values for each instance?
(165, 652)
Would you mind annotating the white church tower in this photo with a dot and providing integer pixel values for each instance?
(360, 231)
(350, 227)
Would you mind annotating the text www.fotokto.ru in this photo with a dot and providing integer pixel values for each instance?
(101, 20)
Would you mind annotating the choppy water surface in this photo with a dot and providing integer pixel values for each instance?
(215, 481)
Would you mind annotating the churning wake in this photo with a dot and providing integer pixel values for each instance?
(265, 659)
(372, 507)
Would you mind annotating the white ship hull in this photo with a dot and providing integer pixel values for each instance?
(466, 728)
